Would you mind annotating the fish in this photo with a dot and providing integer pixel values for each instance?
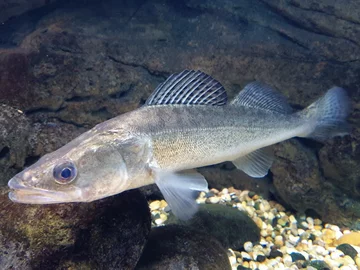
(186, 123)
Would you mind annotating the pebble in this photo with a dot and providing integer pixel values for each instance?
(214, 200)
(248, 246)
(155, 205)
(288, 241)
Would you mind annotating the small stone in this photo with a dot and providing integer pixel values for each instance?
(357, 261)
(294, 239)
(248, 246)
(241, 267)
(287, 260)
(292, 219)
(317, 221)
(159, 221)
(282, 222)
(318, 265)
(304, 225)
(251, 194)
(155, 205)
(321, 251)
(214, 190)
(347, 260)
(348, 250)
(275, 253)
(335, 255)
(246, 257)
(232, 260)
(263, 267)
(163, 204)
(260, 258)
(167, 209)
(209, 194)
(295, 256)
(279, 241)
(352, 238)
(214, 200)
(163, 217)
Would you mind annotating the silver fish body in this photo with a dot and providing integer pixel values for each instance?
(186, 123)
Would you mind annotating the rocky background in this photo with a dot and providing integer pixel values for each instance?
(68, 65)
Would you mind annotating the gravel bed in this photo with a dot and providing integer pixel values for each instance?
(288, 241)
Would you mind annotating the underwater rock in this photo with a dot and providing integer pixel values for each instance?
(352, 238)
(231, 227)
(105, 234)
(14, 147)
(63, 68)
(22, 143)
(300, 182)
(178, 247)
(12, 8)
(347, 249)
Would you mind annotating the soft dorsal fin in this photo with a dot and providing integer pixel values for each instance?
(189, 88)
(262, 96)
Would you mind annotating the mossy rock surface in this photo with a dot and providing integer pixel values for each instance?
(229, 225)
(108, 233)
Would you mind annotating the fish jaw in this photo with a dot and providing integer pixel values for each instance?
(30, 195)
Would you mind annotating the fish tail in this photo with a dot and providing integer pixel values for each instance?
(327, 116)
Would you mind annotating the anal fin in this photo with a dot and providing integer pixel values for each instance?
(180, 191)
(256, 164)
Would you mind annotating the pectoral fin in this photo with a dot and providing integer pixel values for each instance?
(180, 191)
(257, 163)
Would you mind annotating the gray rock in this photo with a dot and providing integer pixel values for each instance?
(105, 234)
(14, 146)
(231, 227)
(61, 68)
(348, 250)
(178, 247)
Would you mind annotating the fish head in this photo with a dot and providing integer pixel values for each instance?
(77, 172)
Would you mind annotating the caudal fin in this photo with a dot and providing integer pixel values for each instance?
(328, 115)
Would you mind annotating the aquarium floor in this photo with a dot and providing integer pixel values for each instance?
(288, 241)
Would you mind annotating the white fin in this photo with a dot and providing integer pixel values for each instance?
(261, 96)
(256, 164)
(180, 191)
(189, 88)
(328, 115)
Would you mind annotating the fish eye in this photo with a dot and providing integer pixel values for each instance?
(65, 173)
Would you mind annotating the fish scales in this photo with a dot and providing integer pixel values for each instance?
(184, 137)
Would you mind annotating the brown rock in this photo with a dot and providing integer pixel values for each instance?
(109, 233)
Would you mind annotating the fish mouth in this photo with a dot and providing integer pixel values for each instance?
(30, 195)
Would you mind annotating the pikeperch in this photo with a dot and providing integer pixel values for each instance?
(186, 123)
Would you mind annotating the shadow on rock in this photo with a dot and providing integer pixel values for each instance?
(231, 227)
(179, 247)
(105, 234)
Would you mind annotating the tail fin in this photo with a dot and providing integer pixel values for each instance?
(329, 115)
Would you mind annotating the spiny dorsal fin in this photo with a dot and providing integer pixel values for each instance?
(261, 96)
(189, 88)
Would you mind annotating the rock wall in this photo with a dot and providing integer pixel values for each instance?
(78, 65)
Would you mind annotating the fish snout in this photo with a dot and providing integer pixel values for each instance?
(16, 183)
